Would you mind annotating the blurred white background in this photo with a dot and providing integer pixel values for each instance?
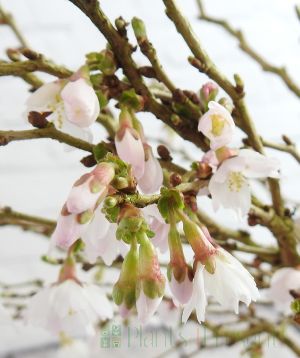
(35, 176)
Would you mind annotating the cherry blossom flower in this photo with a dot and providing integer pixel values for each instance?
(73, 104)
(221, 276)
(78, 211)
(217, 125)
(284, 280)
(69, 308)
(69, 228)
(230, 282)
(90, 188)
(158, 225)
(152, 178)
(129, 144)
(229, 186)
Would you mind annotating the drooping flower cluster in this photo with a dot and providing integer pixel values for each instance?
(100, 211)
(229, 185)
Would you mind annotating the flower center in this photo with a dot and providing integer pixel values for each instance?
(217, 124)
(236, 181)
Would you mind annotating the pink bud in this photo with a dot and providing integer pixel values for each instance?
(130, 149)
(209, 91)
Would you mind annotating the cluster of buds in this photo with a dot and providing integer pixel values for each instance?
(141, 283)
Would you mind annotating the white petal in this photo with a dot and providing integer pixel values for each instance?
(258, 165)
(198, 300)
(231, 282)
(44, 98)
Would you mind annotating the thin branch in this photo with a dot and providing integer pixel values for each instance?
(49, 132)
(204, 63)
(287, 148)
(26, 222)
(244, 45)
(187, 129)
(21, 68)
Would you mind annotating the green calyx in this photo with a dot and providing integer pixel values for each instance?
(124, 290)
(151, 280)
(170, 200)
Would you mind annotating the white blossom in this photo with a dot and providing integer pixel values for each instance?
(217, 125)
(229, 186)
(69, 307)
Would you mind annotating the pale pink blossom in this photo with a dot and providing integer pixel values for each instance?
(284, 280)
(73, 348)
(229, 186)
(70, 308)
(146, 307)
(217, 125)
(81, 103)
(158, 225)
(90, 188)
(152, 178)
(182, 291)
(130, 149)
(68, 229)
(73, 105)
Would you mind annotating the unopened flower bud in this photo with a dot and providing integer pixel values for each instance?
(208, 92)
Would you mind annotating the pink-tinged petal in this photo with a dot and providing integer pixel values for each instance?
(182, 291)
(104, 172)
(146, 307)
(131, 150)
(211, 159)
(81, 198)
(198, 300)
(258, 165)
(67, 231)
(152, 179)
(44, 98)
(81, 103)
